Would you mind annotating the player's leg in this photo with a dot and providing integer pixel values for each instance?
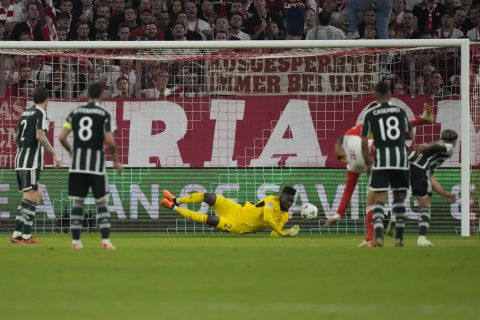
(171, 202)
(424, 204)
(400, 182)
(28, 185)
(195, 197)
(77, 190)
(379, 185)
(99, 190)
(369, 238)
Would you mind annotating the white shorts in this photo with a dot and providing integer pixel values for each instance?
(353, 150)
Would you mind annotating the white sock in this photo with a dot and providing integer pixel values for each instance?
(16, 234)
(106, 241)
(422, 237)
(79, 242)
(27, 236)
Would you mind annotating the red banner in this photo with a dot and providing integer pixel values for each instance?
(260, 131)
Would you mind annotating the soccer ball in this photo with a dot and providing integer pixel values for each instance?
(309, 211)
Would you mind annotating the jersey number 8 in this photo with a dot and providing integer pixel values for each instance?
(85, 131)
(393, 131)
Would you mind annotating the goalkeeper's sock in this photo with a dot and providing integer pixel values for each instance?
(369, 225)
(398, 210)
(196, 197)
(192, 215)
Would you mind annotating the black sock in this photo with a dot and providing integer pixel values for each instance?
(424, 223)
(103, 221)
(28, 209)
(398, 209)
(76, 222)
(378, 216)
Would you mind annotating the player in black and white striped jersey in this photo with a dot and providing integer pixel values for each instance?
(390, 128)
(31, 140)
(92, 126)
(423, 162)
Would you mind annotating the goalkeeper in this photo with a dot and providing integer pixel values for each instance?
(269, 213)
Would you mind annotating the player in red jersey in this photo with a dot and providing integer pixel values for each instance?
(348, 149)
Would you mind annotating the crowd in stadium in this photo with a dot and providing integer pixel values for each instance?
(170, 20)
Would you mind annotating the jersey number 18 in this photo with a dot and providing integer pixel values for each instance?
(392, 132)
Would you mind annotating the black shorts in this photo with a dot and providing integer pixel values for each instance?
(383, 180)
(79, 184)
(28, 179)
(421, 185)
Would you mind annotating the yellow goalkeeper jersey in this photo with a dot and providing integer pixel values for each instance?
(263, 215)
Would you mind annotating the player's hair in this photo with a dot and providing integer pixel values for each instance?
(339, 140)
(40, 94)
(324, 18)
(382, 88)
(289, 190)
(121, 79)
(449, 135)
(95, 90)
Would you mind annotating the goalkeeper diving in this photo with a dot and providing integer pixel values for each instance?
(269, 213)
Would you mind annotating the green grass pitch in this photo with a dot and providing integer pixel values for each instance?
(229, 277)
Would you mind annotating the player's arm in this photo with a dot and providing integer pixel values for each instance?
(430, 149)
(43, 140)
(112, 148)
(366, 130)
(352, 179)
(67, 128)
(426, 117)
(437, 187)
(268, 218)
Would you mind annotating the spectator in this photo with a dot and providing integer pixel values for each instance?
(63, 21)
(238, 6)
(222, 25)
(131, 18)
(309, 21)
(151, 33)
(123, 33)
(460, 20)
(221, 36)
(274, 32)
(30, 26)
(392, 34)
(82, 31)
(450, 5)
(124, 69)
(7, 19)
(176, 6)
(25, 36)
(62, 34)
(324, 31)
(194, 23)
(429, 14)
(474, 33)
(342, 22)
(447, 30)
(398, 88)
(382, 9)
(398, 8)
(294, 11)
(190, 35)
(368, 18)
(146, 17)
(24, 73)
(157, 7)
(472, 18)
(117, 16)
(122, 88)
(102, 9)
(179, 32)
(436, 86)
(26, 89)
(164, 23)
(2, 32)
(236, 22)
(257, 24)
(160, 90)
(101, 27)
(369, 32)
(208, 12)
(408, 26)
(190, 83)
(83, 13)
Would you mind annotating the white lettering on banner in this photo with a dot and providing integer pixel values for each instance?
(301, 149)
(189, 188)
(4, 200)
(10, 134)
(226, 112)
(136, 195)
(162, 146)
(47, 206)
(265, 188)
(227, 187)
(322, 195)
(117, 202)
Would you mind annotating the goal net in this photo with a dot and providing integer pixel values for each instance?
(238, 122)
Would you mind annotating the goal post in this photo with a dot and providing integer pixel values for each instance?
(248, 173)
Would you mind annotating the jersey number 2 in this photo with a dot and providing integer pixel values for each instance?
(392, 132)
(85, 131)
(24, 125)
